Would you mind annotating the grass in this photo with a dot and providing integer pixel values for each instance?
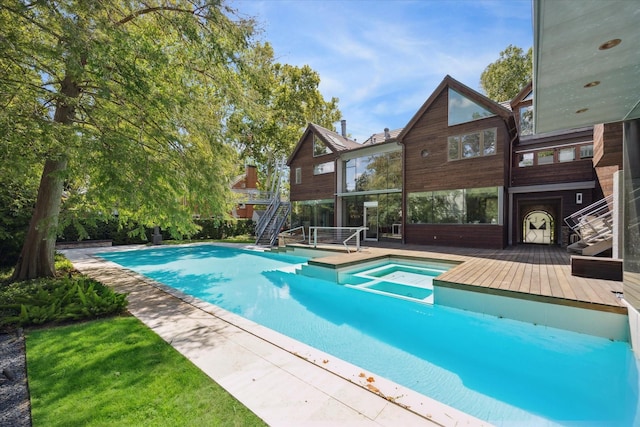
(117, 372)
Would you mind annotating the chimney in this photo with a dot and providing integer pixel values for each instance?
(343, 126)
(387, 135)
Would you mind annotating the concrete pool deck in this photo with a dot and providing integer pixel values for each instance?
(292, 387)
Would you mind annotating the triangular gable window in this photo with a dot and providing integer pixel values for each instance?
(319, 148)
(462, 109)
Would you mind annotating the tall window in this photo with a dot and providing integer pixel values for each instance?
(462, 109)
(298, 175)
(526, 120)
(312, 213)
(319, 147)
(476, 144)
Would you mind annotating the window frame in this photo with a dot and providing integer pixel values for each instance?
(318, 170)
(460, 141)
(318, 142)
(298, 176)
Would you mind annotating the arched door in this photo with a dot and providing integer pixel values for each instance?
(539, 227)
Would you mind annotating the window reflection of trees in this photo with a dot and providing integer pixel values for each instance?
(477, 206)
(376, 172)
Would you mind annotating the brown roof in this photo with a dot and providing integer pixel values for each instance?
(377, 138)
(332, 139)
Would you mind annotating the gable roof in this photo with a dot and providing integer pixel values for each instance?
(521, 95)
(332, 139)
(450, 82)
(377, 138)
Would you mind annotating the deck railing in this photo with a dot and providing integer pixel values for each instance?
(335, 235)
(594, 222)
(298, 231)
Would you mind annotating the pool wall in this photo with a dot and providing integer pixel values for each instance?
(604, 324)
(592, 321)
(634, 328)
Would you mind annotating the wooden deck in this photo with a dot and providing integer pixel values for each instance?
(531, 272)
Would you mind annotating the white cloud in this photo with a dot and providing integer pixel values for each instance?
(383, 59)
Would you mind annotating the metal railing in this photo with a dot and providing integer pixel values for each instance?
(593, 223)
(290, 233)
(251, 196)
(280, 218)
(357, 236)
(335, 235)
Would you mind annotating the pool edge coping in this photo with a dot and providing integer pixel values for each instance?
(435, 411)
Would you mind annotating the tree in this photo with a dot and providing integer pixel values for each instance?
(503, 79)
(289, 98)
(123, 104)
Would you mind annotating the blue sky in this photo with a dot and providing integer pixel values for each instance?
(384, 58)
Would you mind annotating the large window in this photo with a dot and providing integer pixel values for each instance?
(462, 109)
(319, 147)
(476, 144)
(467, 206)
(382, 171)
(322, 168)
(312, 213)
(389, 212)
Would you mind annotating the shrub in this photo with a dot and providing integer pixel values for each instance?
(111, 230)
(57, 300)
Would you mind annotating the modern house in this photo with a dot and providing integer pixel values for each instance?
(465, 171)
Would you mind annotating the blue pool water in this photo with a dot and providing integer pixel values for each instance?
(506, 372)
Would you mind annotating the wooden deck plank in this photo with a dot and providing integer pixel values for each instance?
(532, 271)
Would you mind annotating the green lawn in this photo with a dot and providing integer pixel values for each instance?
(117, 372)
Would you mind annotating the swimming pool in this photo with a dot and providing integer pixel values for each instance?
(499, 370)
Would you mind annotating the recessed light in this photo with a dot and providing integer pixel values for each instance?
(609, 44)
(592, 84)
(582, 110)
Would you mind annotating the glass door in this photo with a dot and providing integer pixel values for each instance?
(371, 220)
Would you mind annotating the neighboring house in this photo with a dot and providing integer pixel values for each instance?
(465, 171)
(246, 185)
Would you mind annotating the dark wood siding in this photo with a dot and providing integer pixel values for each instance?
(435, 171)
(312, 187)
(607, 144)
(576, 171)
(461, 235)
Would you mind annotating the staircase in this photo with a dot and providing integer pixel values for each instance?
(275, 216)
(594, 226)
(271, 222)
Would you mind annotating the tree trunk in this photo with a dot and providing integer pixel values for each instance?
(37, 256)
